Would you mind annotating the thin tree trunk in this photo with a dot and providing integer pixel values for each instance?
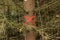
(29, 7)
(30, 36)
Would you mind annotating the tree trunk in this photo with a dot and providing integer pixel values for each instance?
(30, 36)
(29, 7)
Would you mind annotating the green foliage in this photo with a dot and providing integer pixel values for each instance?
(47, 12)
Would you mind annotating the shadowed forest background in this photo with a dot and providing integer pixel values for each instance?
(12, 20)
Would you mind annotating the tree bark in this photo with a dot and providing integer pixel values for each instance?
(30, 36)
(29, 6)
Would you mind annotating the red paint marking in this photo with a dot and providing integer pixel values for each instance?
(29, 19)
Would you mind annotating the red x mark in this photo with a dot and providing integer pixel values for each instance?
(29, 19)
